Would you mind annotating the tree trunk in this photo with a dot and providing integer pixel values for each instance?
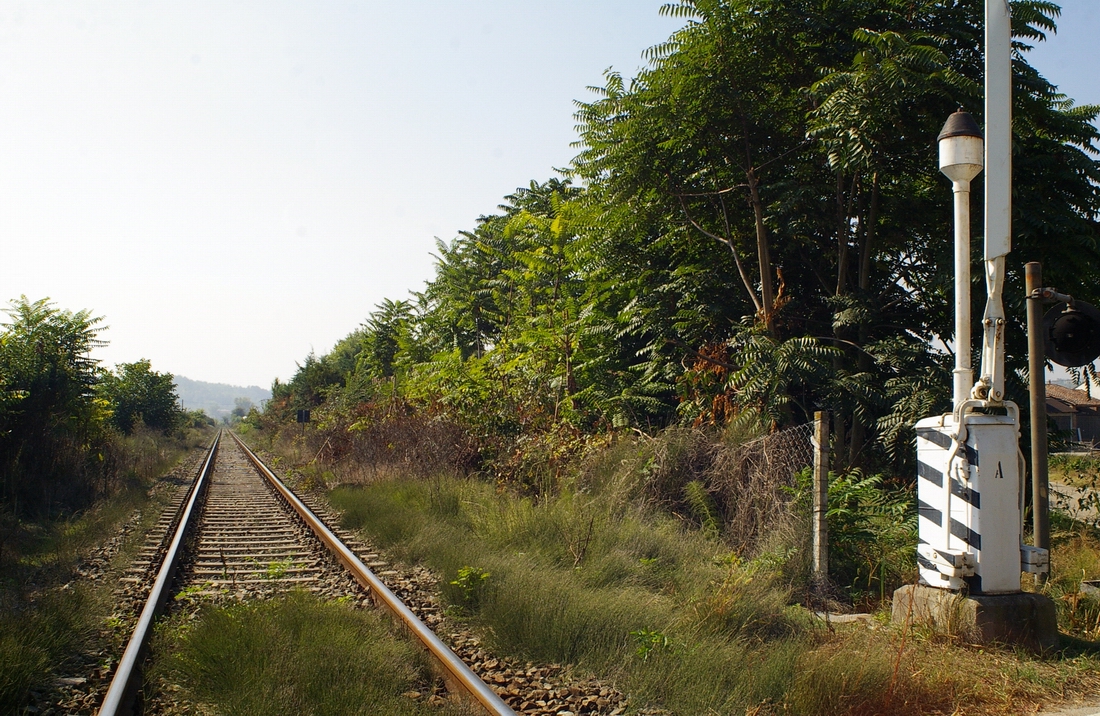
(767, 289)
(867, 236)
(841, 238)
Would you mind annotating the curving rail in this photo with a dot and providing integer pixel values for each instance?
(461, 681)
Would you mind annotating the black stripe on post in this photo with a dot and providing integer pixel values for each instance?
(935, 437)
(929, 473)
(971, 455)
(929, 512)
(966, 494)
(972, 538)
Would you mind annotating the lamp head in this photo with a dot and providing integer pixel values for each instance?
(962, 147)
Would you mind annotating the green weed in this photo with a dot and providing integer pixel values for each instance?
(278, 569)
(649, 641)
(294, 655)
(192, 593)
(472, 582)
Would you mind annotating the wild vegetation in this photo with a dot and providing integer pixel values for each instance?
(72, 435)
(62, 415)
(48, 617)
(620, 572)
(293, 655)
(754, 228)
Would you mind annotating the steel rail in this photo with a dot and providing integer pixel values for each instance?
(120, 691)
(455, 668)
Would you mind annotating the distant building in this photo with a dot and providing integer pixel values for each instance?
(1073, 411)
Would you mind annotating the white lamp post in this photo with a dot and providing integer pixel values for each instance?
(961, 158)
(969, 475)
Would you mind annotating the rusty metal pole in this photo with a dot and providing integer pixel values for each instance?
(821, 496)
(1033, 273)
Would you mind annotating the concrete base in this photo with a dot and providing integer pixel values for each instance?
(1022, 619)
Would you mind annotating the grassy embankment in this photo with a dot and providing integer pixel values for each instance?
(47, 617)
(599, 577)
(1076, 549)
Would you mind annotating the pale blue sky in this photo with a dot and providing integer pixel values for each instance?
(231, 184)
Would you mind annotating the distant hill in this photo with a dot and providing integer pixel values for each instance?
(217, 399)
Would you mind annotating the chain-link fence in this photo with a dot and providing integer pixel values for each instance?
(755, 482)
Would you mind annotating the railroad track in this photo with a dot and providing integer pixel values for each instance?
(239, 533)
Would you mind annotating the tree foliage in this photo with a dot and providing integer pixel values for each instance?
(49, 401)
(762, 231)
(138, 394)
(59, 409)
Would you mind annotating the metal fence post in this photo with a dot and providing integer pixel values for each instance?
(821, 495)
(1033, 274)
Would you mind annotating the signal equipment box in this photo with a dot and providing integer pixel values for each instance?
(969, 502)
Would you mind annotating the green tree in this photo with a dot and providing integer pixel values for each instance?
(797, 137)
(384, 335)
(762, 231)
(48, 413)
(242, 407)
(138, 394)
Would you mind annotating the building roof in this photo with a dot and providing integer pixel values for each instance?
(1072, 396)
(1059, 407)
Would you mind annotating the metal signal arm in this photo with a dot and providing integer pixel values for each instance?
(991, 386)
(998, 194)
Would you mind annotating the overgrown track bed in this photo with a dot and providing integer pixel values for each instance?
(527, 687)
(249, 545)
(239, 535)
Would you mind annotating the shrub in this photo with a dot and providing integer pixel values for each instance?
(872, 525)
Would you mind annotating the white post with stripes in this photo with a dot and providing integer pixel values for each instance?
(969, 465)
(969, 493)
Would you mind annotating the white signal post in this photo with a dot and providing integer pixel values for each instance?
(961, 158)
(969, 465)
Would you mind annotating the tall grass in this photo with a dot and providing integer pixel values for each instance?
(665, 564)
(44, 621)
(33, 641)
(296, 655)
(627, 571)
(615, 587)
(1075, 560)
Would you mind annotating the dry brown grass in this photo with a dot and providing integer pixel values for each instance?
(939, 675)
